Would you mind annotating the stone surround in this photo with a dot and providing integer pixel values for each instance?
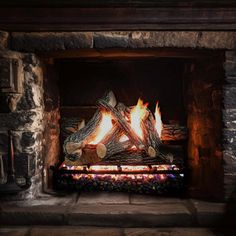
(27, 120)
(48, 41)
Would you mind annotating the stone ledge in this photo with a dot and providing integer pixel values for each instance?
(130, 215)
(51, 41)
(66, 211)
(139, 199)
(37, 215)
(103, 198)
(101, 231)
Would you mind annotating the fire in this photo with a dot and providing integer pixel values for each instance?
(136, 115)
(103, 128)
(158, 124)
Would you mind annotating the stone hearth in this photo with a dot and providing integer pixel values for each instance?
(115, 210)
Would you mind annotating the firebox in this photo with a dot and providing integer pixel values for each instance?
(122, 147)
(103, 100)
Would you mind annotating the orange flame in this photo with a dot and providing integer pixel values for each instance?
(158, 124)
(137, 114)
(103, 128)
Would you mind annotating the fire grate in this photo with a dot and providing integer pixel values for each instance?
(156, 179)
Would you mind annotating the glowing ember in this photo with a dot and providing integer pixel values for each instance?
(123, 138)
(158, 124)
(124, 168)
(103, 128)
(103, 168)
(136, 115)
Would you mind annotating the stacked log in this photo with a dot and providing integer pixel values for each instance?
(80, 150)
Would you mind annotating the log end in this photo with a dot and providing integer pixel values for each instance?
(101, 150)
(151, 151)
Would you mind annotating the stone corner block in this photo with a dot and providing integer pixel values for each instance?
(50, 41)
(4, 36)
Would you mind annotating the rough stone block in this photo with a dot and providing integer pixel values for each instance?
(49, 41)
(110, 40)
(24, 120)
(229, 185)
(230, 55)
(229, 118)
(229, 161)
(48, 200)
(217, 40)
(208, 213)
(168, 232)
(25, 163)
(104, 198)
(147, 199)
(144, 39)
(229, 139)
(16, 231)
(231, 80)
(230, 63)
(229, 93)
(3, 142)
(180, 39)
(72, 231)
(3, 39)
(37, 215)
(130, 215)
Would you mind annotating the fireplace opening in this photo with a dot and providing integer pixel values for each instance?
(187, 85)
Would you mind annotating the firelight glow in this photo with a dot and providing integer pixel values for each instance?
(136, 115)
(103, 128)
(158, 124)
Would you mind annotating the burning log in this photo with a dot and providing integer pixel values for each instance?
(77, 141)
(120, 132)
(151, 136)
(111, 143)
(124, 125)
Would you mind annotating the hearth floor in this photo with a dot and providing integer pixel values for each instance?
(101, 231)
(114, 210)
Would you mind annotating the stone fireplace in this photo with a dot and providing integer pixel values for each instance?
(34, 113)
(50, 77)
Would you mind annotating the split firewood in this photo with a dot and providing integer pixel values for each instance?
(77, 141)
(124, 125)
(84, 156)
(174, 132)
(151, 137)
(111, 143)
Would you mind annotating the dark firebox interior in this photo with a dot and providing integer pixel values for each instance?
(84, 81)
(187, 84)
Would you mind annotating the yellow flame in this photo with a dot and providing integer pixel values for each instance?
(103, 128)
(158, 124)
(136, 115)
(123, 138)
